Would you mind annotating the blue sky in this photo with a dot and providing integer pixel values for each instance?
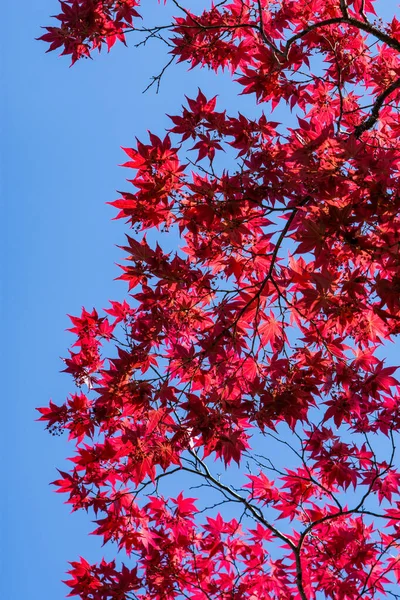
(62, 131)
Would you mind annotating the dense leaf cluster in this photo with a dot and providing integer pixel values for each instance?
(264, 327)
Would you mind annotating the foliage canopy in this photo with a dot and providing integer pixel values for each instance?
(246, 363)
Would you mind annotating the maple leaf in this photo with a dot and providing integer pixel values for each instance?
(262, 488)
(184, 506)
(230, 446)
(270, 330)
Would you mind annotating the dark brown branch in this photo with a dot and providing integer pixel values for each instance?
(309, 28)
(157, 78)
(364, 26)
(273, 258)
(299, 575)
(256, 513)
(362, 11)
(344, 8)
(229, 492)
(264, 36)
(378, 104)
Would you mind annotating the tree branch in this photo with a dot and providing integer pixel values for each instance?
(378, 104)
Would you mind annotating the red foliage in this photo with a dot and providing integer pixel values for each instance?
(87, 24)
(257, 342)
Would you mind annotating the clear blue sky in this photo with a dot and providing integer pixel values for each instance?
(61, 137)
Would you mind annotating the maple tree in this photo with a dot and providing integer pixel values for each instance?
(248, 363)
